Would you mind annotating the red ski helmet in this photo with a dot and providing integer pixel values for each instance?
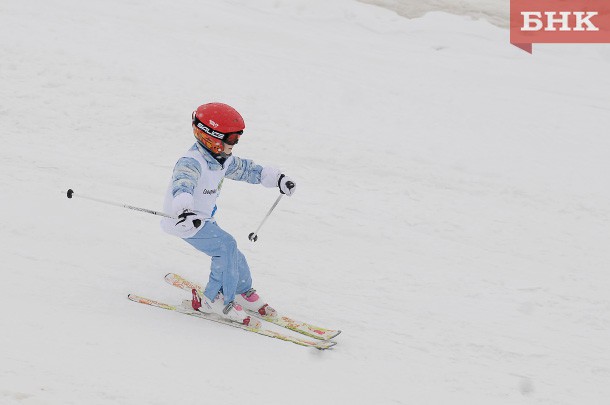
(215, 123)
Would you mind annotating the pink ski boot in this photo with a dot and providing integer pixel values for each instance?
(251, 301)
(232, 311)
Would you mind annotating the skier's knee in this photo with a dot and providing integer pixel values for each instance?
(229, 243)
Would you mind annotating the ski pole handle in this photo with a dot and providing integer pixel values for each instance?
(71, 194)
(254, 235)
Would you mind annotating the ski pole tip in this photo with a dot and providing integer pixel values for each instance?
(70, 193)
(253, 237)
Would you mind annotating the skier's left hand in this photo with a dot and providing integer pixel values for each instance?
(286, 185)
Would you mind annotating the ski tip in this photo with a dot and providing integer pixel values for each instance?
(326, 346)
(330, 335)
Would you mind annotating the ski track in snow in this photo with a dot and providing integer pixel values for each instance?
(452, 214)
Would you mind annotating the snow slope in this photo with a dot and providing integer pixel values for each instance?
(452, 215)
(495, 11)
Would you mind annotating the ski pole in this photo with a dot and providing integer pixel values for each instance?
(71, 194)
(254, 235)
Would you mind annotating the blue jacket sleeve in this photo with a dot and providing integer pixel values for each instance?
(244, 170)
(186, 175)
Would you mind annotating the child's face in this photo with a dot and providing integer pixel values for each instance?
(228, 148)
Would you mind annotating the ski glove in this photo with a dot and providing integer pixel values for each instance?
(286, 185)
(182, 207)
(186, 222)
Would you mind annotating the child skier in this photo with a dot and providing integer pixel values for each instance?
(191, 197)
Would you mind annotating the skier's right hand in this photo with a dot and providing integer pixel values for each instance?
(184, 220)
(182, 206)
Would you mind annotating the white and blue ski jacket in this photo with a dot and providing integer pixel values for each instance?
(199, 174)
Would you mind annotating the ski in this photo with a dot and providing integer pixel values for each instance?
(185, 309)
(303, 328)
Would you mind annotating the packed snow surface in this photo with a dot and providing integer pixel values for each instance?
(495, 11)
(452, 215)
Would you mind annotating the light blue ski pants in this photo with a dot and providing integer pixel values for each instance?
(229, 270)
